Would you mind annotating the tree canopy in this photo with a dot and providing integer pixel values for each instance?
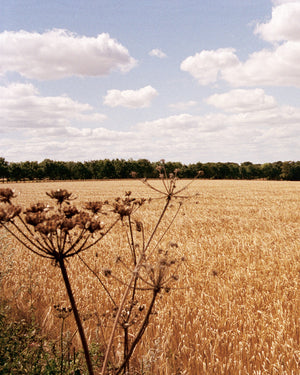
(120, 169)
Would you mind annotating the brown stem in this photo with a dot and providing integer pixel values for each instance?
(140, 333)
(168, 227)
(158, 222)
(102, 235)
(98, 278)
(49, 256)
(76, 315)
(131, 241)
(118, 316)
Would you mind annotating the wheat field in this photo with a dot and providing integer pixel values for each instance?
(236, 306)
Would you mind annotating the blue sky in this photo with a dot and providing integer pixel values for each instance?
(180, 80)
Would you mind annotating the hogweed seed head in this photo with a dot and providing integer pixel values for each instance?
(95, 207)
(138, 225)
(106, 272)
(61, 195)
(6, 195)
(38, 207)
(70, 211)
(34, 218)
(8, 213)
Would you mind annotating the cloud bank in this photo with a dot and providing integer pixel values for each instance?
(239, 100)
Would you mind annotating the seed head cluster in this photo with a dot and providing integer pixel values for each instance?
(126, 206)
(61, 230)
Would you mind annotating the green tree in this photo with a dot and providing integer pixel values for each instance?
(16, 173)
(3, 169)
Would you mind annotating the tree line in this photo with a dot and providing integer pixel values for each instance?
(121, 169)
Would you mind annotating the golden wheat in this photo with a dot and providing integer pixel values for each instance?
(236, 306)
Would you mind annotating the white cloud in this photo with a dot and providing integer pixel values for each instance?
(22, 106)
(59, 53)
(182, 106)
(278, 2)
(130, 98)
(157, 53)
(206, 65)
(276, 66)
(180, 126)
(284, 24)
(242, 101)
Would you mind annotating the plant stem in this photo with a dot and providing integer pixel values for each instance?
(76, 315)
(118, 316)
(62, 346)
(140, 333)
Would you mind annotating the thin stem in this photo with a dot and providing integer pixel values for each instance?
(136, 271)
(140, 333)
(187, 185)
(49, 256)
(76, 315)
(131, 241)
(25, 236)
(73, 245)
(101, 282)
(102, 235)
(62, 345)
(168, 227)
(158, 222)
(80, 247)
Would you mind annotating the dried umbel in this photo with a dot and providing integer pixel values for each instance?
(62, 312)
(169, 190)
(61, 195)
(95, 207)
(55, 232)
(6, 195)
(159, 274)
(126, 206)
(8, 213)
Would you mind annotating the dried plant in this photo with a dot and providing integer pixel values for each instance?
(56, 233)
(62, 231)
(149, 268)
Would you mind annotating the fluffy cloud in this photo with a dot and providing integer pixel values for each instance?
(130, 98)
(242, 101)
(206, 65)
(21, 106)
(277, 66)
(284, 24)
(157, 53)
(59, 53)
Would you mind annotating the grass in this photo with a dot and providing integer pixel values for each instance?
(236, 306)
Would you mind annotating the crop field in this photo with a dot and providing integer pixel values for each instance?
(234, 305)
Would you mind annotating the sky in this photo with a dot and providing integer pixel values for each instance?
(180, 80)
